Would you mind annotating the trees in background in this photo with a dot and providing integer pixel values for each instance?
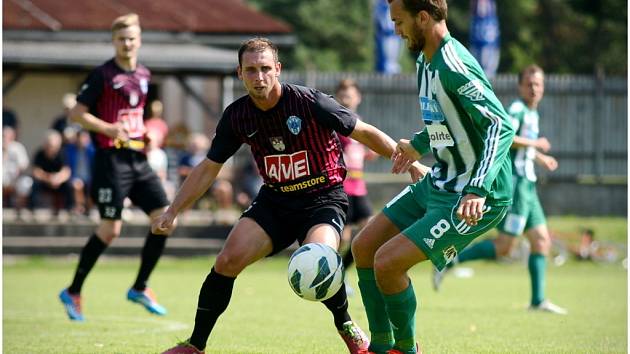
(562, 36)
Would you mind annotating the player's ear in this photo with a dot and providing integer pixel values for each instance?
(278, 68)
(239, 72)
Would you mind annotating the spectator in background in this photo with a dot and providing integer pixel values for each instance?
(221, 189)
(61, 122)
(354, 154)
(156, 123)
(10, 119)
(158, 160)
(51, 175)
(248, 182)
(16, 185)
(196, 151)
(79, 153)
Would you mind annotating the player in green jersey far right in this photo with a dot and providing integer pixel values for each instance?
(526, 214)
(467, 192)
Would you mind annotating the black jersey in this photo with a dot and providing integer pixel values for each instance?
(114, 95)
(295, 143)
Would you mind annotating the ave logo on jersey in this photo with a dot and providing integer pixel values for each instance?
(283, 168)
(430, 110)
(473, 90)
(295, 124)
(277, 143)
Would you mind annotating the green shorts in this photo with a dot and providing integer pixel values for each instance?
(428, 217)
(525, 212)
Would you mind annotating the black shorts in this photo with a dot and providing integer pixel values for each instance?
(288, 218)
(122, 173)
(359, 208)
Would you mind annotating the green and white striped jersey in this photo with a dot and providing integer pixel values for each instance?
(525, 122)
(466, 127)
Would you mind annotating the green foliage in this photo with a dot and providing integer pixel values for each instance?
(561, 36)
(332, 35)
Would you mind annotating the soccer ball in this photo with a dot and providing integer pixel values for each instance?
(315, 272)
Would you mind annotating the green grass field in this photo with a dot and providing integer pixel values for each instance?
(482, 314)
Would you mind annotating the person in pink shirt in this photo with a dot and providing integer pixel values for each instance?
(354, 154)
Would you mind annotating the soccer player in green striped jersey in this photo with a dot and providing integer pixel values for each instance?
(526, 214)
(467, 192)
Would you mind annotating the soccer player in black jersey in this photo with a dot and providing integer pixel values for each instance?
(292, 131)
(110, 104)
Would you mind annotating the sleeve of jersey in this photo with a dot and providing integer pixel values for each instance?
(225, 142)
(492, 122)
(420, 142)
(91, 88)
(333, 115)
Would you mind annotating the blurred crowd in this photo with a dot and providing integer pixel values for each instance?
(58, 174)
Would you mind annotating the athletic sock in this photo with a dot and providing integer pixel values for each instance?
(480, 250)
(214, 298)
(401, 308)
(151, 253)
(381, 335)
(90, 253)
(537, 264)
(338, 306)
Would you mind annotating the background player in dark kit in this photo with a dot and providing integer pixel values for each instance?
(110, 104)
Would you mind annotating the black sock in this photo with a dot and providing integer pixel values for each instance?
(347, 260)
(89, 255)
(338, 305)
(151, 252)
(214, 298)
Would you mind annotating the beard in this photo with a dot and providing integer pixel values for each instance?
(416, 41)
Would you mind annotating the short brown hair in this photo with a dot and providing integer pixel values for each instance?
(125, 21)
(437, 9)
(345, 84)
(258, 44)
(530, 70)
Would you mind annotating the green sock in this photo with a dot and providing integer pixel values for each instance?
(401, 308)
(537, 263)
(381, 335)
(480, 250)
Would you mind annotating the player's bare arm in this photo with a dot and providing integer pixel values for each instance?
(541, 143)
(385, 146)
(404, 156)
(81, 115)
(194, 186)
(546, 161)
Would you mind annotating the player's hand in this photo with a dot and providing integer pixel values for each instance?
(404, 155)
(471, 208)
(543, 144)
(164, 224)
(117, 131)
(548, 162)
(418, 171)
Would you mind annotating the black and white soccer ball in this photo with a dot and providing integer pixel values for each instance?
(315, 272)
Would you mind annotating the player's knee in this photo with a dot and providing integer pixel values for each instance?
(228, 265)
(384, 267)
(107, 236)
(540, 244)
(361, 250)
